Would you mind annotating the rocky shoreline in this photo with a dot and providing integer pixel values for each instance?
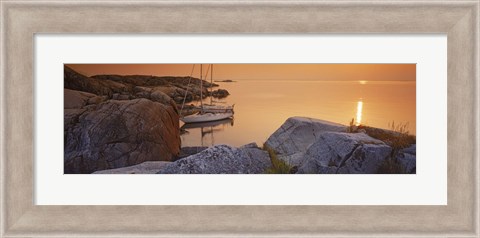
(140, 86)
(113, 121)
(130, 125)
(305, 145)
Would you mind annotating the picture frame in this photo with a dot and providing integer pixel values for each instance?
(21, 20)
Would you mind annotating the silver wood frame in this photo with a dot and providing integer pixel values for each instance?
(21, 20)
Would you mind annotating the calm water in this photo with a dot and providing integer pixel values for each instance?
(261, 106)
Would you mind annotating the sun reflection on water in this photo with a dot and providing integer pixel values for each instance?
(359, 112)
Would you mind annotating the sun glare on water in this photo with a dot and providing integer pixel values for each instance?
(359, 112)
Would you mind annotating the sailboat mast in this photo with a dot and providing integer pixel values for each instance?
(211, 83)
(201, 87)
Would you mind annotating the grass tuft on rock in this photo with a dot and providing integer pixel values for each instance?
(397, 137)
(278, 166)
(351, 128)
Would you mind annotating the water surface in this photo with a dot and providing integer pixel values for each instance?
(262, 106)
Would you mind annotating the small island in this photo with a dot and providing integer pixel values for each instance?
(226, 81)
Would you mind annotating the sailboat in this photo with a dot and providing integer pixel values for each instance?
(204, 115)
(212, 107)
(208, 124)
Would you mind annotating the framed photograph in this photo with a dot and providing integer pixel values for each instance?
(287, 118)
(226, 118)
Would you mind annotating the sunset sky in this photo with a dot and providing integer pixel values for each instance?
(368, 72)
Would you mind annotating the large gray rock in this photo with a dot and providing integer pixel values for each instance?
(116, 134)
(149, 167)
(411, 149)
(366, 159)
(221, 159)
(292, 139)
(408, 159)
(155, 94)
(73, 99)
(97, 99)
(70, 116)
(316, 146)
(76, 81)
(250, 145)
(190, 150)
(338, 152)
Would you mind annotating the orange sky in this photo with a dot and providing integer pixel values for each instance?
(388, 72)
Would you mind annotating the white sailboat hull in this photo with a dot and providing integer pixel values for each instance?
(208, 124)
(217, 108)
(206, 117)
